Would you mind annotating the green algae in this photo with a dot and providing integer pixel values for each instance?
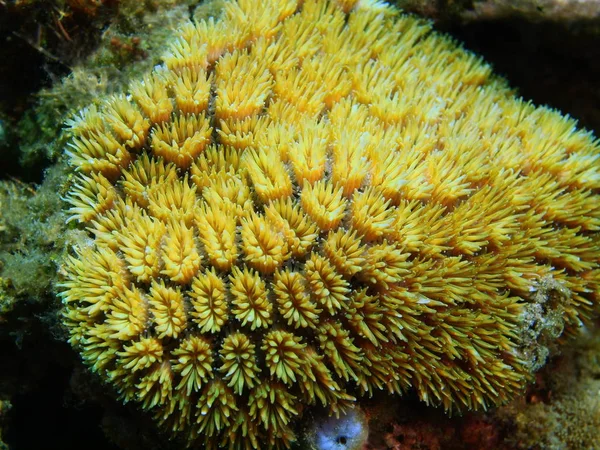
(31, 238)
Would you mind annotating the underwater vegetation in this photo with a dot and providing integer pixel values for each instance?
(562, 410)
(564, 407)
(307, 203)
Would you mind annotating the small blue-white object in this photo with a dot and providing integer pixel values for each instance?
(348, 432)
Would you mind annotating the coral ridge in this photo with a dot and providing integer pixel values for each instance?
(312, 201)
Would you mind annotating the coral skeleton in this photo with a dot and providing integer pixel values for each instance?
(313, 201)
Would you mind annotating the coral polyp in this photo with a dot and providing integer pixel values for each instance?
(309, 202)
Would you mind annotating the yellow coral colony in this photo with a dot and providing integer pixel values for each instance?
(312, 201)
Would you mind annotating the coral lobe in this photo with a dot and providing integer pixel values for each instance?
(311, 201)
